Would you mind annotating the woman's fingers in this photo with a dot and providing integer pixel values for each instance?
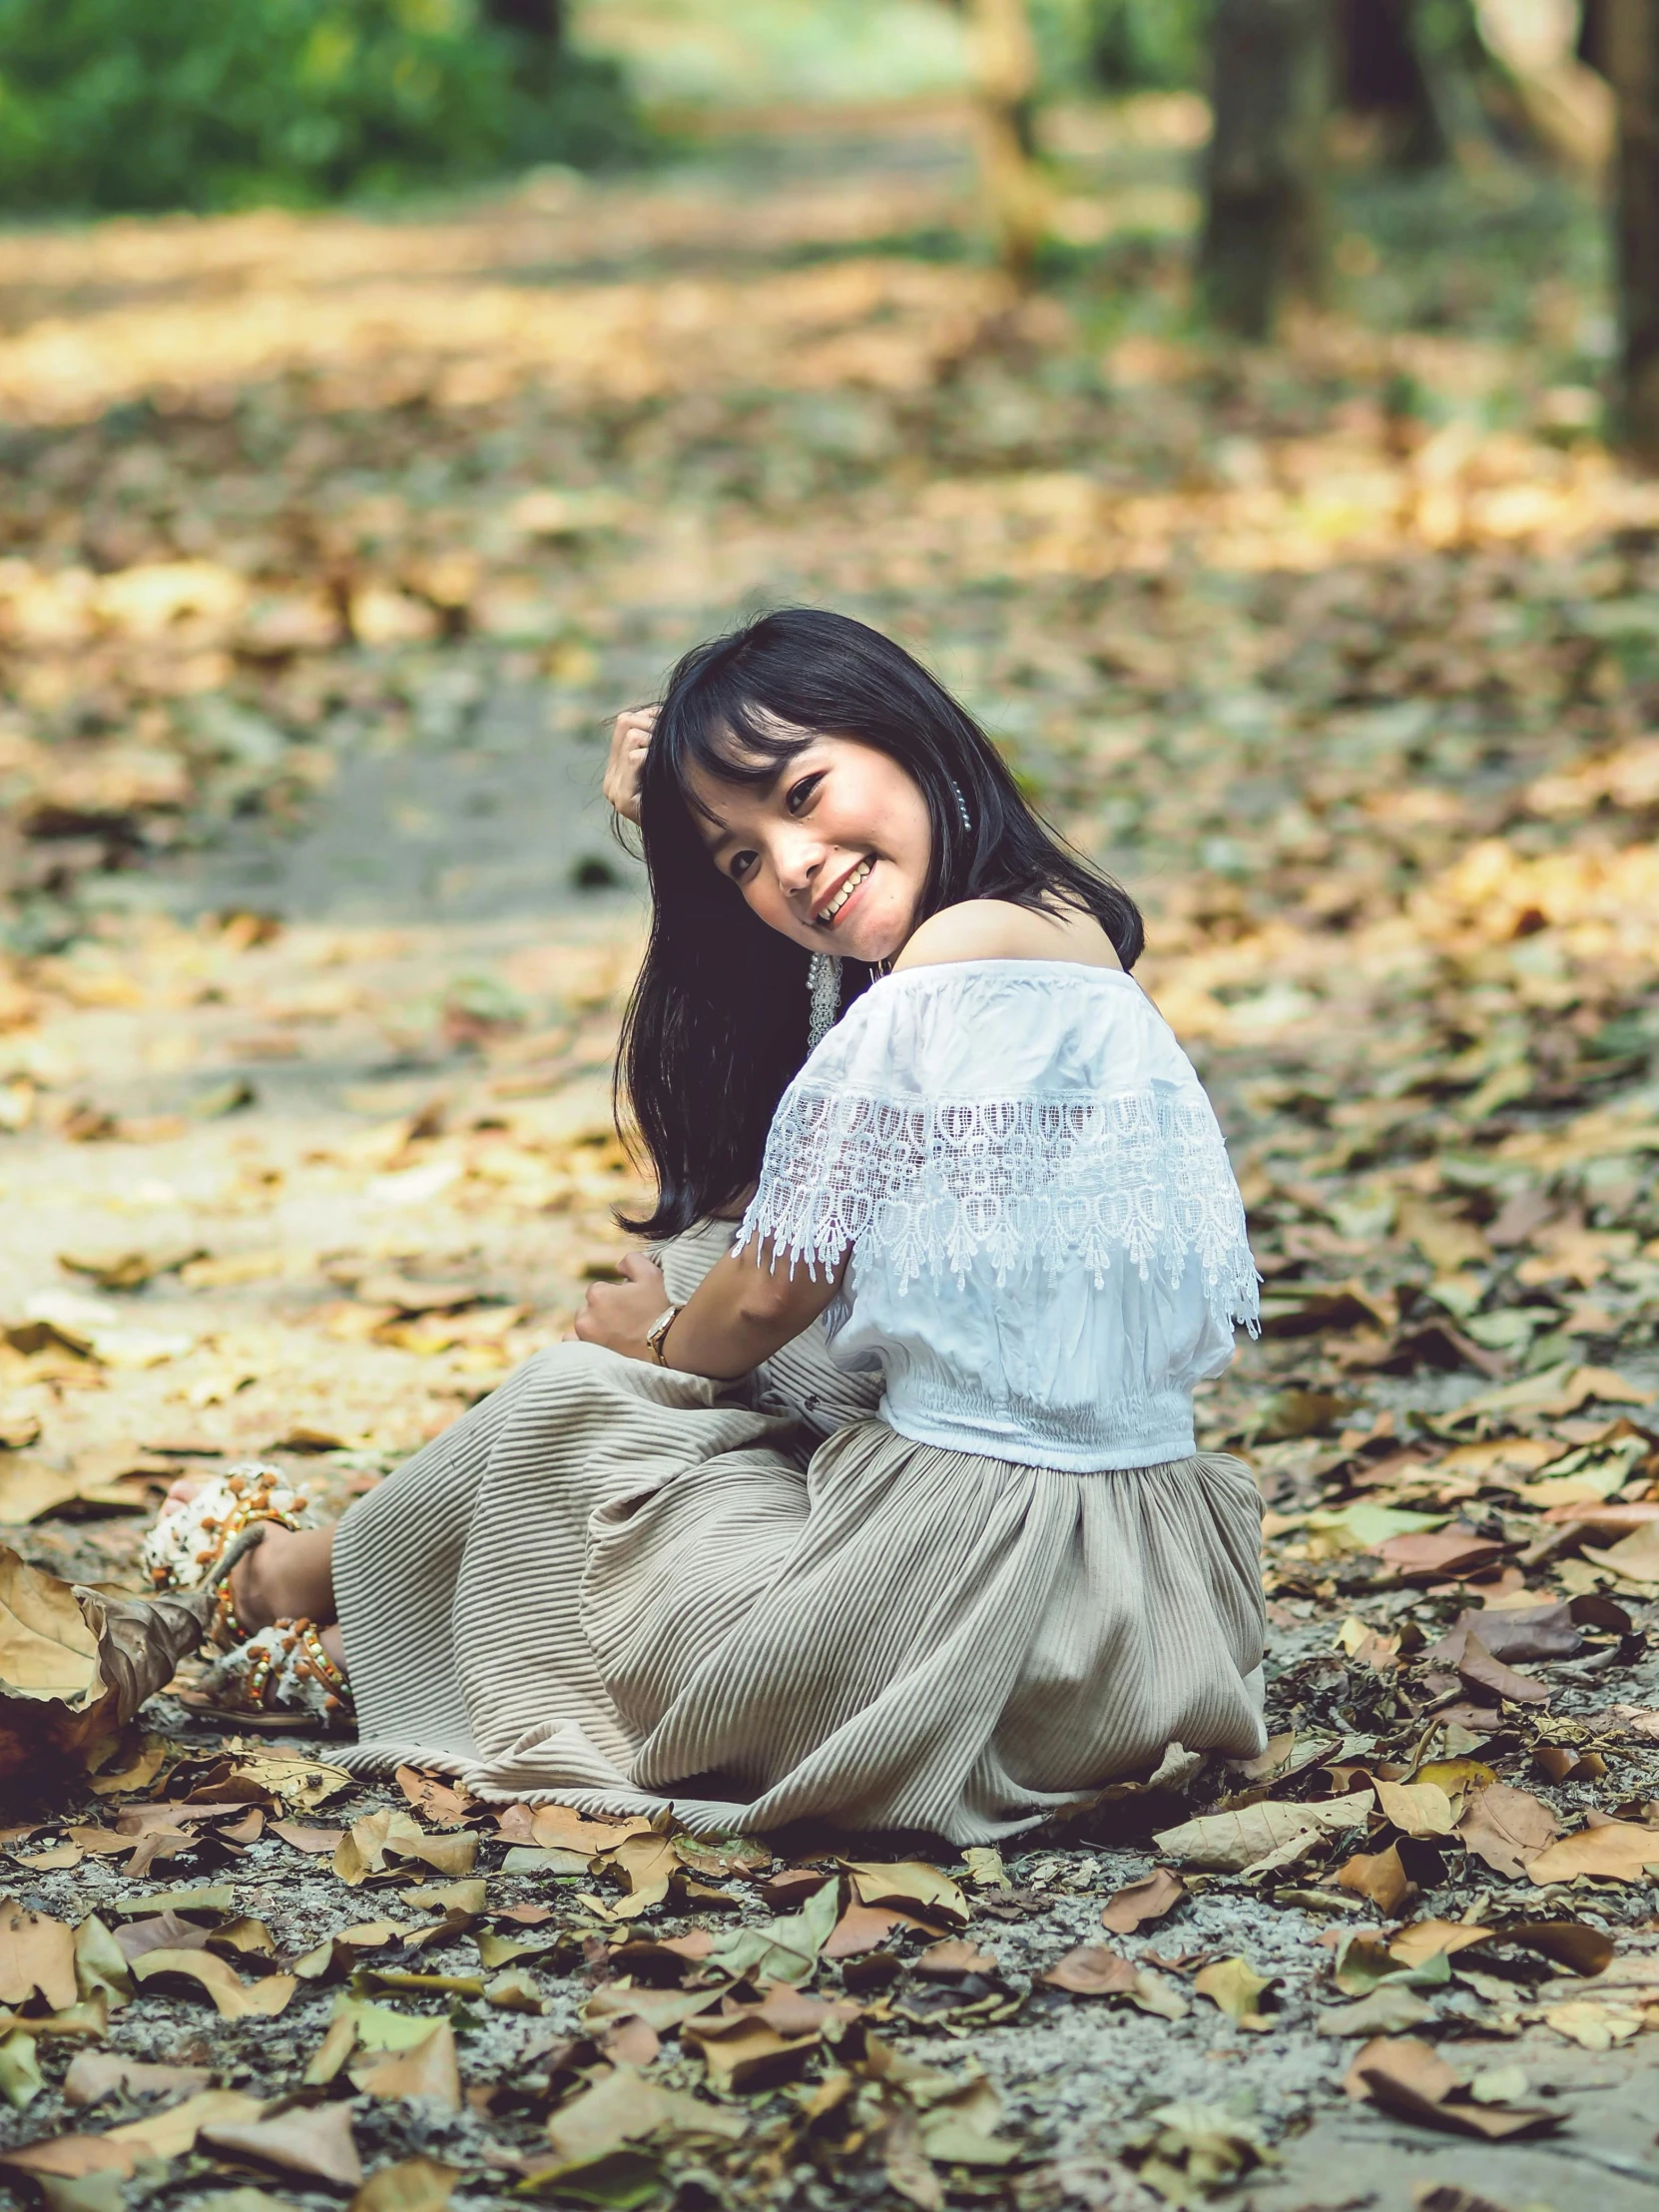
(630, 741)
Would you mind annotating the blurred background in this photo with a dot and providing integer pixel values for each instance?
(391, 388)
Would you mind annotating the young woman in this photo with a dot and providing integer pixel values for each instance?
(879, 1503)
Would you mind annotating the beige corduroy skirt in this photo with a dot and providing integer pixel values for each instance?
(614, 1585)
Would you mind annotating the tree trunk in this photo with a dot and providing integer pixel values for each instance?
(1264, 231)
(537, 19)
(1379, 73)
(1631, 33)
(1005, 86)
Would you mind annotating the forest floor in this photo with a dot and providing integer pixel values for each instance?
(331, 545)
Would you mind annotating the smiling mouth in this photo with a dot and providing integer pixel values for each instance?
(825, 916)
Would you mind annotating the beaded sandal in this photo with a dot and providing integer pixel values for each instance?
(186, 1547)
(279, 1680)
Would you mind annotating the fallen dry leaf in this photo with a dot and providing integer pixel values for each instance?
(1234, 1986)
(437, 1801)
(96, 2074)
(1486, 1678)
(411, 2185)
(37, 1954)
(312, 2143)
(1409, 2080)
(428, 2068)
(910, 1885)
(1092, 1971)
(234, 1998)
(1231, 1842)
(1141, 1902)
(1380, 1875)
(1618, 1851)
(1420, 1808)
(1507, 1828)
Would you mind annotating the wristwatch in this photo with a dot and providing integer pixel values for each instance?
(658, 1332)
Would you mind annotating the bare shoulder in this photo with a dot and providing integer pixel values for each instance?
(996, 929)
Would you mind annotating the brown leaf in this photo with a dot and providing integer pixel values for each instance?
(1380, 1875)
(1230, 1842)
(1144, 1902)
(953, 1959)
(1409, 2080)
(1433, 1554)
(161, 2135)
(96, 2074)
(557, 1828)
(1617, 1850)
(412, 2185)
(1533, 1632)
(745, 2052)
(315, 1840)
(161, 1932)
(1486, 1678)
(1569, 1943)
(649, 1863)
(76, 1665)
(437, 1803)
(312, 2142)
(1507, 1828)
(1092, 1971)
(788, 1891)
(863, 1928)
(427, 2070)
(1236, 1989)
(36, 1953)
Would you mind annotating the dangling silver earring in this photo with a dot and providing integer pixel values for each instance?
(824, 996)
(961, 806)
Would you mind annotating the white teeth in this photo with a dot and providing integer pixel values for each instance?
(845, 892)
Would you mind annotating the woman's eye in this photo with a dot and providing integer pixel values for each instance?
(742, 863)
(801, 793)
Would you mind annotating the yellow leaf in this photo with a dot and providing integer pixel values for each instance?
(234, 1998)
(1236, 1987)
(910, 1884)
(1417, 1808)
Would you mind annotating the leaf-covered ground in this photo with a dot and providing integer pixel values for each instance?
(330, 546)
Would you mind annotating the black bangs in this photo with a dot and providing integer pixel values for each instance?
(717, 1022)
(734, 742)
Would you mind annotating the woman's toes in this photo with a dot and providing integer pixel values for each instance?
(180, 1492)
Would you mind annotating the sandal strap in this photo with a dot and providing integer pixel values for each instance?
(283, 1668)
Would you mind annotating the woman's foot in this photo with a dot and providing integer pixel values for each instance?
(199, 1524)
(289, 1676)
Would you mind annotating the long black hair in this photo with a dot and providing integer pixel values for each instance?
(717, 1025)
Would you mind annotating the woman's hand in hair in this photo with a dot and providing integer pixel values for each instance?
(630, 735)
(616, 1315)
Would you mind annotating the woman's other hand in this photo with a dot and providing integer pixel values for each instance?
(630, 735)
(616, 1315)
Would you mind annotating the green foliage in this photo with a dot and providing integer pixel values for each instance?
(1123, 44)
(233, 103)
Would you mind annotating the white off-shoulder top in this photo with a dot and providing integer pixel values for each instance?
(1047, 1244)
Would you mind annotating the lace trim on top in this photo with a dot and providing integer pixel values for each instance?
(933, 1185)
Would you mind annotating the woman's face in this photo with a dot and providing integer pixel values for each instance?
(832, 854)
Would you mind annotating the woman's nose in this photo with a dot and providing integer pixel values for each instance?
(796, 859)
